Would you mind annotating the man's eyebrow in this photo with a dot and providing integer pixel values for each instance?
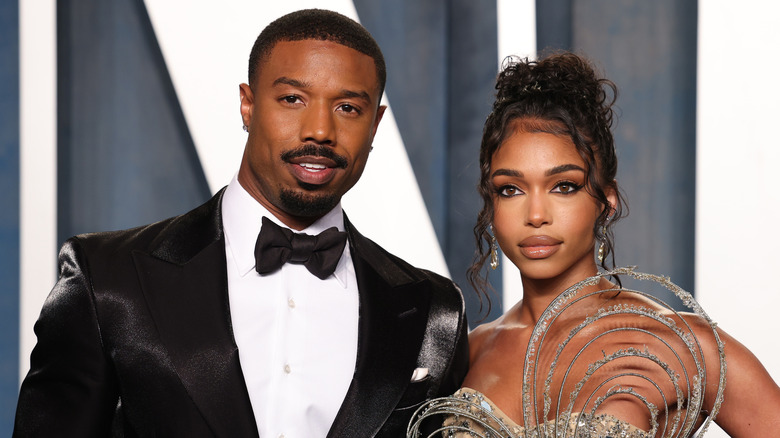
(507, 172)
(284, 80)
(290, 81)
(356, 95)
(563, 168)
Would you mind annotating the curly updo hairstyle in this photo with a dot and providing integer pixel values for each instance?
(559, 94)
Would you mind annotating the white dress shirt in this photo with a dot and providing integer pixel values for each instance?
(296, 334)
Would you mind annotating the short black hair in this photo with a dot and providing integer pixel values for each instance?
(317, 24)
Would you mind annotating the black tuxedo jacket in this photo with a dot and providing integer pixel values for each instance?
(135, 339)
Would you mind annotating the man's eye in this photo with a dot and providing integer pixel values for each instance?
(291, 99)
(349, 109)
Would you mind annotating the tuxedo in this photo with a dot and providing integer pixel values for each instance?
(135, 339)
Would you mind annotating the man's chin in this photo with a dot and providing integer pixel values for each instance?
(307, 204)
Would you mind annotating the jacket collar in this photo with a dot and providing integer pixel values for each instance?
(184, 281)
(189, 234)
(188, 259)
(394, 305)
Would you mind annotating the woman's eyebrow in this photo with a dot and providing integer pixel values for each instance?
(563, 168)
(507, 172)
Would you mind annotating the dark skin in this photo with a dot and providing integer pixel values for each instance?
(308, 96)
(537, 194)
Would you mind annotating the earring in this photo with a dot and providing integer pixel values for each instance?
(246, 128)
(493, 250)
(602, 246)
(601, 252)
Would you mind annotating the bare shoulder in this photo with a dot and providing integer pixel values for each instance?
(480, 337)
(751, 403)
(751, 399)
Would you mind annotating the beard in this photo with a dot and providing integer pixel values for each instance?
(307, 205)
(308, 202)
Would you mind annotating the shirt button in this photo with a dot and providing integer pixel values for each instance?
(291, 303)
(287, 368)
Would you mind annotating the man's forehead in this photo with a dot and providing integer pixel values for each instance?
(312, 44)
(286, 53)
(304, 44)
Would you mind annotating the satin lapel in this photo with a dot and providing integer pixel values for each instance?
(186, 291)
(393, 316)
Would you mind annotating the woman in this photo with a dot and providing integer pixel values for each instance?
(598, 360)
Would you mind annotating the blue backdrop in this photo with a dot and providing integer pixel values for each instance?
(126, 156)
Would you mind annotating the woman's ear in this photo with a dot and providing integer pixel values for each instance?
(611, 192)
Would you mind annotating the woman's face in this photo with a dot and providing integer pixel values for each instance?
(543, 216)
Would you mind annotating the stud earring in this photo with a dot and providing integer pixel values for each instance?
(493, 250)
(246, 128)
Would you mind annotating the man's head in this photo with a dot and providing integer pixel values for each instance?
(316, 24)
(312, 109)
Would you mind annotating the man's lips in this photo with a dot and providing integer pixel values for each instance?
(314, 164)
(313, 170)
(539, 247)
(315, 154)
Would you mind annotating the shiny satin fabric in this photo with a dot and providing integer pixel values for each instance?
(142, 316)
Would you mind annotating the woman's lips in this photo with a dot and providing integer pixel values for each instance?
(539, 247)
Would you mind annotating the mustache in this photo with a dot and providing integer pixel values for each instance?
(315, 150)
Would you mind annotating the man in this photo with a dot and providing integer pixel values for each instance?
(196, 326)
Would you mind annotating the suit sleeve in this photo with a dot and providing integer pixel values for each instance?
(445, 348)
(70, 389)
(459, 365)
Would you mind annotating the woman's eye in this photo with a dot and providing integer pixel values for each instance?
(509, 191)
(566, 188)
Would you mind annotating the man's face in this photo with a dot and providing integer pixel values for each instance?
(312, 113)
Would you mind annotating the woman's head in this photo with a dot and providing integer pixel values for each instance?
(560, 95)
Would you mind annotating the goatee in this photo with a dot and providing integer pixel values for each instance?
(307, 204)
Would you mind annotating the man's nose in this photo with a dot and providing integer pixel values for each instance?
(318, 124)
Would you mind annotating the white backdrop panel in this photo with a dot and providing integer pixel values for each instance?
(738, 204)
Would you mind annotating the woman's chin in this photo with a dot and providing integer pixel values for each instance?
(551, 269)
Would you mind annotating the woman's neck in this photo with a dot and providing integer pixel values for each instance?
(538, 293)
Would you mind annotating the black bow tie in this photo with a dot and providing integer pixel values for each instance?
(276, 246)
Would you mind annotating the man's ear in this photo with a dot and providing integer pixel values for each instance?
(247, 103)
(380, 112)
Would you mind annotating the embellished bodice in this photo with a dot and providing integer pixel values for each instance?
(592, 352)
(470, 412)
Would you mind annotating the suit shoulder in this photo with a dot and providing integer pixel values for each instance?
(131, 238)
(438, 280)
(395, 269)
(384, 262)
(151, 236)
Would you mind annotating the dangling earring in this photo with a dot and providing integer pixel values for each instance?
(493, 250)
(602, 246)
